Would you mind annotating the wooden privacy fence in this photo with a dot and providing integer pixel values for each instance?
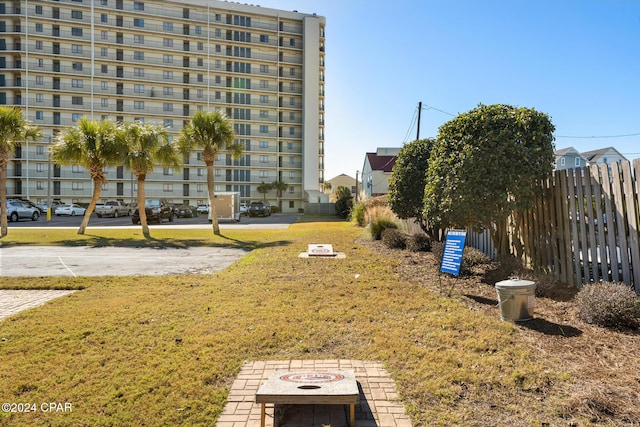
(584, 227)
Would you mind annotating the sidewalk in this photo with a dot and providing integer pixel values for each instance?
(379, 405)
(13, 301)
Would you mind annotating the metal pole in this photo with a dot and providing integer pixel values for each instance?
(419, 113)
(357, 172)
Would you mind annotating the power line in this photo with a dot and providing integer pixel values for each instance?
(598, 137)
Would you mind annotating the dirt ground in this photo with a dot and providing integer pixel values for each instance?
(604, 364)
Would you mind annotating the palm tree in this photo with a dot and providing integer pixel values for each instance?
(263, 189)
(212, 132)
(13, 130)
(147, 145)
(92, 145)
(279, 186)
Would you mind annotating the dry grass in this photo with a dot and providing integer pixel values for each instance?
(601, 365)
(165, 350)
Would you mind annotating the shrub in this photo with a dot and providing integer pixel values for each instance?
(473, 261)
(357, 214)
(343, 207)
(394, 238)
(419, 242)
(608, 304)
(379, 224)
(275, 209)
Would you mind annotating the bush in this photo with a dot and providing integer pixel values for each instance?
(473, 261)
(275, 209)
(379, 224)
(419, 242)
(343, 207)
(357, 214)
(608, 304)
(394, 238)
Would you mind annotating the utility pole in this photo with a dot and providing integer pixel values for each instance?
(357, 172)
(419, 112)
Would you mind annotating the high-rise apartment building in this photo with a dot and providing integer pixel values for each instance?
(160, 61)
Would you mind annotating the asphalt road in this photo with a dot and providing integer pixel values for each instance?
(40, 261)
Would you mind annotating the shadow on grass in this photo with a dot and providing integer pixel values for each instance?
(536, 324)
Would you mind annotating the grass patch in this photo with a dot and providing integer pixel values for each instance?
(165, 350)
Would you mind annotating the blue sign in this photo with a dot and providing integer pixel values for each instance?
(453, 250)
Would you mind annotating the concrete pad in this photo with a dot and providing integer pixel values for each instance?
(14, 301)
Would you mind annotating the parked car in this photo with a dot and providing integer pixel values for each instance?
(259, 208)
(186, 211)
(156, 210)
(114, 208)
(203, 209)
(244, 209)
(17, 210)
(71, 210)
(43, 206)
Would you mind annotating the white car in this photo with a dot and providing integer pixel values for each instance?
(71, 210)
(203, 209)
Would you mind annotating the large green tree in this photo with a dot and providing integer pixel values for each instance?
(263, 189)
(212, 132)
(92, 145)
(407, 182)
(14, 130)
(484, 165)
(147, 146)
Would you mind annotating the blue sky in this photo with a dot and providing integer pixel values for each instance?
(577, 61)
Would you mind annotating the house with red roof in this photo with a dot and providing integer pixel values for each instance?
(377, 169)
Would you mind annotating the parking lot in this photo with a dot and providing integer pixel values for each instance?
(118, 261)
(272, 221)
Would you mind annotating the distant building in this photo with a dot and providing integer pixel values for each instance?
(342, 180)
(569, 158)
(604, 156)
(377, 170)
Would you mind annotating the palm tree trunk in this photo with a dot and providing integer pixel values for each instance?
(142, 212)
(97, 189)
(212, 206)
(3, 198)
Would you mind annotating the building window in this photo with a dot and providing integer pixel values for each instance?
(198, 30)
(138, 55)
(264, 84)
(39, 97)
(75, 117)
(292, 174)
(264, 159)
(200, 46)
(77, 66)
(138, 88)
(104, 85)
(200, 62)
(167, 42)
(264, 99)
(138, 22)
(104, 51)
(76, 83)
(167, 75)
(138, 39)
(39, 115)
(292, 42)
(264, 114)
(76, 32)
(77, 169)
(167, 91)
(264, 129)
(39, 62)
(38, 10)
(76, 14)
(138, 5)
(292, 71)
(167, 107)
(167, 58)
(562, 161)
(138, 105)
(167, 26)
(168, 123)
(76, 48)
(167, 171)
(39, 80)
(76, 100)
(264, 68)
(138, 72)
(77, 186)
(263, 174)
(104, 35)
(577, 161)
(104, 102)
(39, 27)
(264, 38)
(104, 68)
(264, 144)
(38, 44)
(200, 78)
(104, 18)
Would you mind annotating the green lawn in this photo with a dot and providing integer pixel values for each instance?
(165, 350)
